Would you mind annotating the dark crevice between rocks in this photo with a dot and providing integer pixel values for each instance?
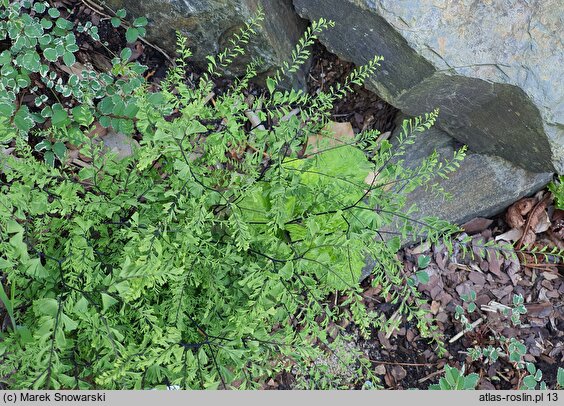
(364, 109)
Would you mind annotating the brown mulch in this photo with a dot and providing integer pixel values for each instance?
(362, 108)
(405, 360)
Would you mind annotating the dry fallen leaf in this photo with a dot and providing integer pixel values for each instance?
(334, 134)
(511, 236)
(398, 373)
(515, 216)
(380, 369)
(476, 225)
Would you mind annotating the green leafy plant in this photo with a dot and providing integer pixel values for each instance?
(205, 258)
(39, 38)
(454, 379)
(511, 349)
(557, 188)
(51, 150)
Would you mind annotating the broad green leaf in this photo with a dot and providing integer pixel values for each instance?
(13, 227)
(60, 116)
(50, 54)
(23, 120)
(49, 307)
(423, 277)
(69, 59)
(53, 12)
(271, 85)
(107, 301)
(423, 261)
(131, 35)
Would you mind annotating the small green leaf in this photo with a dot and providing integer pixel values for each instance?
(5, 57)
(53, 12)
(105, 121)
(107, 301)
(6, 109)
(140, 22)
(82, 115)
(49, 157)
(72, 48)
(46, 23)
(121, 13)
(106, 106)
(13, 227)
(560, 377)
(46, 112)
(530, 382)
(50, 54)
(130, 110)
(125, 54)
(39, 7)
(60, 117)
(68, 323)
(270, 84)
(116, 22)
(423, 261)
(471, 381)
(422, 277)
(287, 271)
(69, 59)
(63, 23)
(49, 307)
(59, 149)
(44, 144)
(23, 120)
(131, 35)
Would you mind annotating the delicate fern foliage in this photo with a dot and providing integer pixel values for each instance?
(205, 259)
(300, 54)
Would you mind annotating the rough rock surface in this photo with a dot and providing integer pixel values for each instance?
(209, 24)
(493, 67)
(483, 186)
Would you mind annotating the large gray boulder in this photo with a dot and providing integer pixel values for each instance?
(483, 186)
(209, 24)
(494, 68)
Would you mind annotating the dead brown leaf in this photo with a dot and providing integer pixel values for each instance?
(398, 373)
(334, 134)
(515, 216)
(476, 225)
(511, 236)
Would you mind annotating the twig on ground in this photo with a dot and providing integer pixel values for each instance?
(431, 375)
(472, 327)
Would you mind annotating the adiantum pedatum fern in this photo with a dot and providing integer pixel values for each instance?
(205, 259)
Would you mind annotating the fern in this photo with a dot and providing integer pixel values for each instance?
(205, 259)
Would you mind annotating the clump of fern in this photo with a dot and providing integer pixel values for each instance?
(204, 260)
